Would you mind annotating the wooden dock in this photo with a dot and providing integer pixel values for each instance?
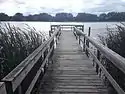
(66, 64)
(72, 72)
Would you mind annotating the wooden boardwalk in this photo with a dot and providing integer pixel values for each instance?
(72, 72)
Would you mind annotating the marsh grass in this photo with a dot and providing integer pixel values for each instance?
(115, 40)
(16, 44)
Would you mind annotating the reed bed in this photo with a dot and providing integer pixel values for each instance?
(115, 40)
(16, 44)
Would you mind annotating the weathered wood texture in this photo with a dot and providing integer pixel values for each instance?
(71, 72)
(112, 56)
(2, 88)
(23, 78)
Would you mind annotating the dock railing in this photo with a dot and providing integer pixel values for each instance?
(26, 75)
(102, 52)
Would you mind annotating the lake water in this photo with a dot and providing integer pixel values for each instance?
(97, 28)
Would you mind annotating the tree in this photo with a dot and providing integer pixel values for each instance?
(45, 17)
(4, 17)
(18, 17)
(102, 17)
(63, 17)
(29, 18)
(86, 17)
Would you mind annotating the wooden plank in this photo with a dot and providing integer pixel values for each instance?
(73, 83)
(71, 73)
(20, 72)
(110, 78)
(70, 25)
(73, 87)
(115, 58)
(2, 88)
(38, 74)
(93, 78)
(85, 90)
(69, 93)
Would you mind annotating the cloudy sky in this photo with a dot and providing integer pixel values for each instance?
(53, 6)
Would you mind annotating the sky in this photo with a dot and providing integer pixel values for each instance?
(52, 7)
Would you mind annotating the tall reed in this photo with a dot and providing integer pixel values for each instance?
(115, 40)
(16, 44)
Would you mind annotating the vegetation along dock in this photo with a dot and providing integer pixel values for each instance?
(66, 64)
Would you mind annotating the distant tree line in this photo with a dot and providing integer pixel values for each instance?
(64, 17)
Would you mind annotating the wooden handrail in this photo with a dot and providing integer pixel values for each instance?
(67, 26)
(33, 65)
(115, 58)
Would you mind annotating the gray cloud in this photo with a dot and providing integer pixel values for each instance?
(90, 6)
(2, 1)
(108, 6)
(19, 2)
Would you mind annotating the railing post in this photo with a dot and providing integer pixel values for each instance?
(98, 57)
(60, 28)
(84, 44)
(87, 42)
(56, 39)
(20, 90)
(89, 31)
(98, 54)
(79, 39)
(8, 87)
(51, 28)
(52, 50)
(75, 33)
(50, 33)
(82, 28)
(54, 28)
(71, 28)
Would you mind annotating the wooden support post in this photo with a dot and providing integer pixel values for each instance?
(60, 28)
(89, 31)
(9, 87)
(84, 44)
(49, 33)
(75, 33)
(20, 90)
(98, 57)
(54, 28)
(56, 40)
(87, 42)
(82, 28)
(79, 39)
(51, 28)
(52, 50)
